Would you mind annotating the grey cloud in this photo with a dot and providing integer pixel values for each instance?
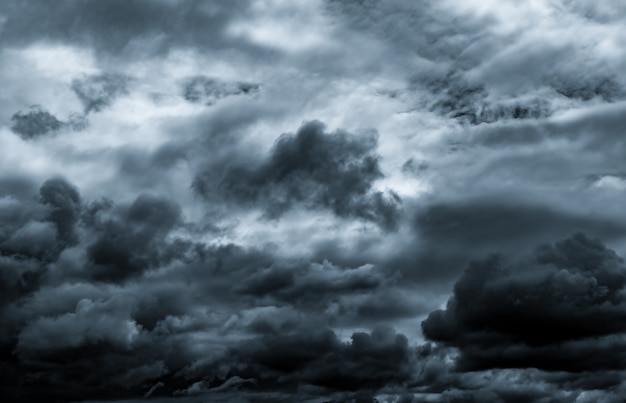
(471, 102)
(476, 76)
(130, 239)
(65, 203)
(20, 276)
(424, 29)
(148, 169)
(33, 233)
(34, 123)
(601, 13)
(606, 88)
(301, 282)
(97, 92)
(468, 103)
(593, 130)
(448, 234)
(208, 91)
(334, 171)
(368, 362)
(36, 239)
(365, 294)
(413, 167)
(197, 277)
(17, 186)
(484, 222)
(91, 322)
(38, 122)
(121, 27)
(559, 309)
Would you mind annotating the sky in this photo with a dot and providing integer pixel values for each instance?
(362, 201)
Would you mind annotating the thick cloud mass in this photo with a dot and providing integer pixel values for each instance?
(315, 169)
(246, 201)
(129, 239)
(113, 27)
(560, 309)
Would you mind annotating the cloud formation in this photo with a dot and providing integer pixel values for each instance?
(334, 171)
(99, 91)
(34, 123)
(560, 309)
(208, 91)
(273, 201)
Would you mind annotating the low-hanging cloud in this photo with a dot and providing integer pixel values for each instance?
(559, 309)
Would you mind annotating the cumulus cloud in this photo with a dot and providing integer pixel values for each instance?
(557, 310)
(160, 239)
(130, 239)
(334, 171)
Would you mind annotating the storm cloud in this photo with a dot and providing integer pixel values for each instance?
(334, 171)
(99, 91)
(559, 309)
(323, 201)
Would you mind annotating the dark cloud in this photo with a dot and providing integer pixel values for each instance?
(97, 92)
(560, 309)
(17, 186)
(123, 27)
(472, 223)
(413, 167)
(76, 328)
(65, 203)
(369, 361)
(208, 91)
(425, 29)
(313, 280)
(38, 122)
(34, 123)
(473, 102)
(203, 259)
(334, 171)
(365, 294)
(605, 88)
(34, 232)
(449, 234)
(455, 97)
(130, 239)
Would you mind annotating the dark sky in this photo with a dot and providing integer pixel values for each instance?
(392, 201)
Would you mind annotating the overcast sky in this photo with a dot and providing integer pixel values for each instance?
(392, 201)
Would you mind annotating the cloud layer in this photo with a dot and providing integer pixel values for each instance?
(346, 201)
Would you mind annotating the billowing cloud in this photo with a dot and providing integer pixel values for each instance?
(334, 171)
(559, 309)
(263, 201)
(129, 239)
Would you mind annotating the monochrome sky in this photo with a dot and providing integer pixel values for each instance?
(393, 201)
